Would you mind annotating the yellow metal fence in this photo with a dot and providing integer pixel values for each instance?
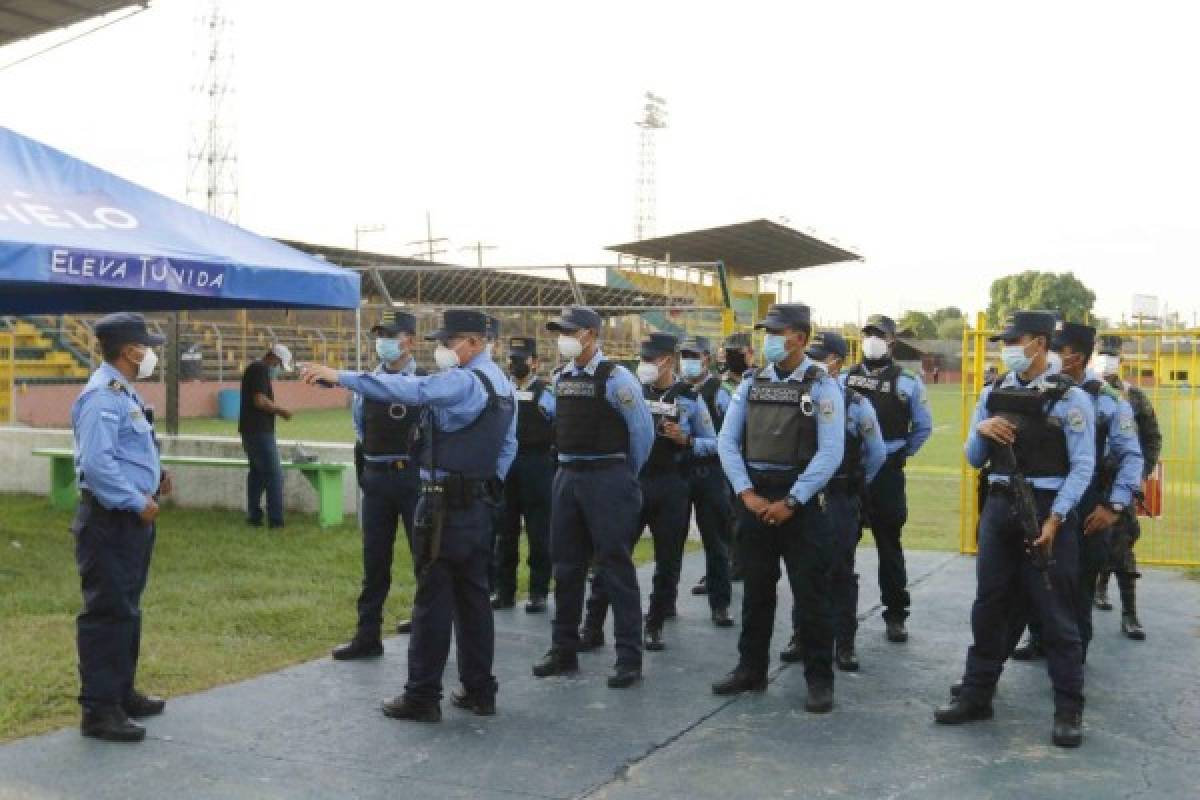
(8, 370)
(1166, 364)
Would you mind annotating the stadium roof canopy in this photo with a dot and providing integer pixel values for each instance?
(392, 279)
(21, 19)
(748, 249)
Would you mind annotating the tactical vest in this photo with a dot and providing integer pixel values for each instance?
(665, 455)
(1041, 446)
(585, 423)
(1095, 388)
(851, 465)
(883, 390)
(390, 429)
(708, 392)
(472, 451)
(535, 431)
(781, 421)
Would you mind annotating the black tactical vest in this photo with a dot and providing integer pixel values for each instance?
(474, 450)
(708, 392)
(535, 431)
(781, 421)
(883, 391)
(389, 429)
(1094, 389)
(851, 464)
(585, 423)
(1041, 446)
(665, 455)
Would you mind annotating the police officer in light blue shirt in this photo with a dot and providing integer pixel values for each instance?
(468, 441)
(120, 479)
(781, 444)
(603, 433)
(387, 434)
(1038, 423)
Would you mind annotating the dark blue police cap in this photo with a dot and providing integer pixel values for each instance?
(126, 328)
(659, 344)
(880, 323)
(393, 323)
(1109, 345)
(1074, 335)
(696, 344)
(737, 341)
(457, 321)
(827, 344)
(522, 346)
(1034, 323)
(493, 328)
(573, 318)
(785, 315)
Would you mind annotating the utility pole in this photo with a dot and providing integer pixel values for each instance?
(479, 247)
(653, 120)
(429, 241)
(359, 230)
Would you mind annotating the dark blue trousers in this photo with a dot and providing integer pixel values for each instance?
(265, 475)
(1007, 585)
(527, 493)
(888, 514)
(594, 517)
(389, 498)
(845, 516)
(709, 494)
(112, 553)
(452, 597)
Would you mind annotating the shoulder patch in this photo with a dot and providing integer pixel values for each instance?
(625, 396)
(1127, 424)
(826, 410)
(116, 385)
(111, 416)
(1076, 421)
(867, 426)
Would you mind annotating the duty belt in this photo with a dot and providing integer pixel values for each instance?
(773, 478)
(588, 464)
(399, 465)
(458, 491)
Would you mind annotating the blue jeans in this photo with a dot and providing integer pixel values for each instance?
(265, 475)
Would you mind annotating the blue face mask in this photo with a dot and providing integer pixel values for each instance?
(387, 349)
(1014, 357)
(775, 347)
(691, 368)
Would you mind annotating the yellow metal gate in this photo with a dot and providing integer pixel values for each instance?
(1166, 364)
(8, 373)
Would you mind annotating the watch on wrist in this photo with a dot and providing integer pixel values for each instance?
(791, 502)
(1116, 508)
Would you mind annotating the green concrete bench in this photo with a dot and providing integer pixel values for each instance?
(325, 478)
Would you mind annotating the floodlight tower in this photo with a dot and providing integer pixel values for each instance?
(212, 157)
(654, 119)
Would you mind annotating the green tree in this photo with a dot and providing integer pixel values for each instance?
(918, 325)
(951, 328)
(943, 314)
(1040, 290)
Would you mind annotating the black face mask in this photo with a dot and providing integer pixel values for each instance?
(736, 362)
(520, 369)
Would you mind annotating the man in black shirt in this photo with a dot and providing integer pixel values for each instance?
(256, 424)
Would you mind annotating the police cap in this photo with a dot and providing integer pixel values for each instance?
(785, 315)
(1034, 323)
(880, 324)
(458, 321)
(1076, 336)
(522, 346)
(574, 318)
(827, 344)
(658, 345)
(126, 328)
(394, 323)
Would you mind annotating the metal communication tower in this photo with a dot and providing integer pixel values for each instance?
(653, 120)
(212, 182)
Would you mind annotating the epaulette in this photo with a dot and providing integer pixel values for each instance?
(117, 386)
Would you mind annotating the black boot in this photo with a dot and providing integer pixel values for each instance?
(740, 680)
(112, 725)
(820, 699)
(1030, 650)
(896, 632)
(1102, 592)
(847, 661)
(536, 604)
(590, 639)
(139, 706)
(478, 705)
(701, 586)
(654, 638)
(404, 626)
(411, 708)
(1129, 619)
(502, 602)
(556, 662)
(961, 710)
(358, 648)
(1068, 728)
(721, 618)
(794, 653)
(624, 675)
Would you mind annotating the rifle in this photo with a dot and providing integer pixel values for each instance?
(1026, 513)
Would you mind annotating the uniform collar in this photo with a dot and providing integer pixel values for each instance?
(108, 373)
(589, 368)
(480, 360)
(797, 373)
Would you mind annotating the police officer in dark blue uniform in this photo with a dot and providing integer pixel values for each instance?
(1045, 423)
(603, 434)
(120, 478)
(468, 442)
(391, 480)
(736, 359)
(782, 441)
(900, 403)
(527, 488)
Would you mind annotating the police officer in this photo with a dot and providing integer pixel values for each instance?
(782, 441)
(864, 455)
(900, 403)
(468, 442)
(527, 488)
(603, 433)
(116, 461)
(707, 487)
(391, 480)
(683, 430)
(1126, 531)
(736, 358)
(1044, 422)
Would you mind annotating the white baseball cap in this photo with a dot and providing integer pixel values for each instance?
(283, 354)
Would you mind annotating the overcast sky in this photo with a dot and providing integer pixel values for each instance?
(947, 144)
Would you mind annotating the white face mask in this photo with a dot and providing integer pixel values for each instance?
(569, 346)
(874, 347)
(647, 372)
(1015, 359)
(1108, 365)
(1054, 362)
(445, 358)
(147, 364)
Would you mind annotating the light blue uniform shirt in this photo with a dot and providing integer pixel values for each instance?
(912, 389)
(830, 408)
(455, 397)
(114, 442)
(623, 393)
(1121, 445)
(862, 423)
(695, 421)
(1075, 413)
(356, 410)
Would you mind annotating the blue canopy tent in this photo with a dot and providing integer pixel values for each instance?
(75, 238)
